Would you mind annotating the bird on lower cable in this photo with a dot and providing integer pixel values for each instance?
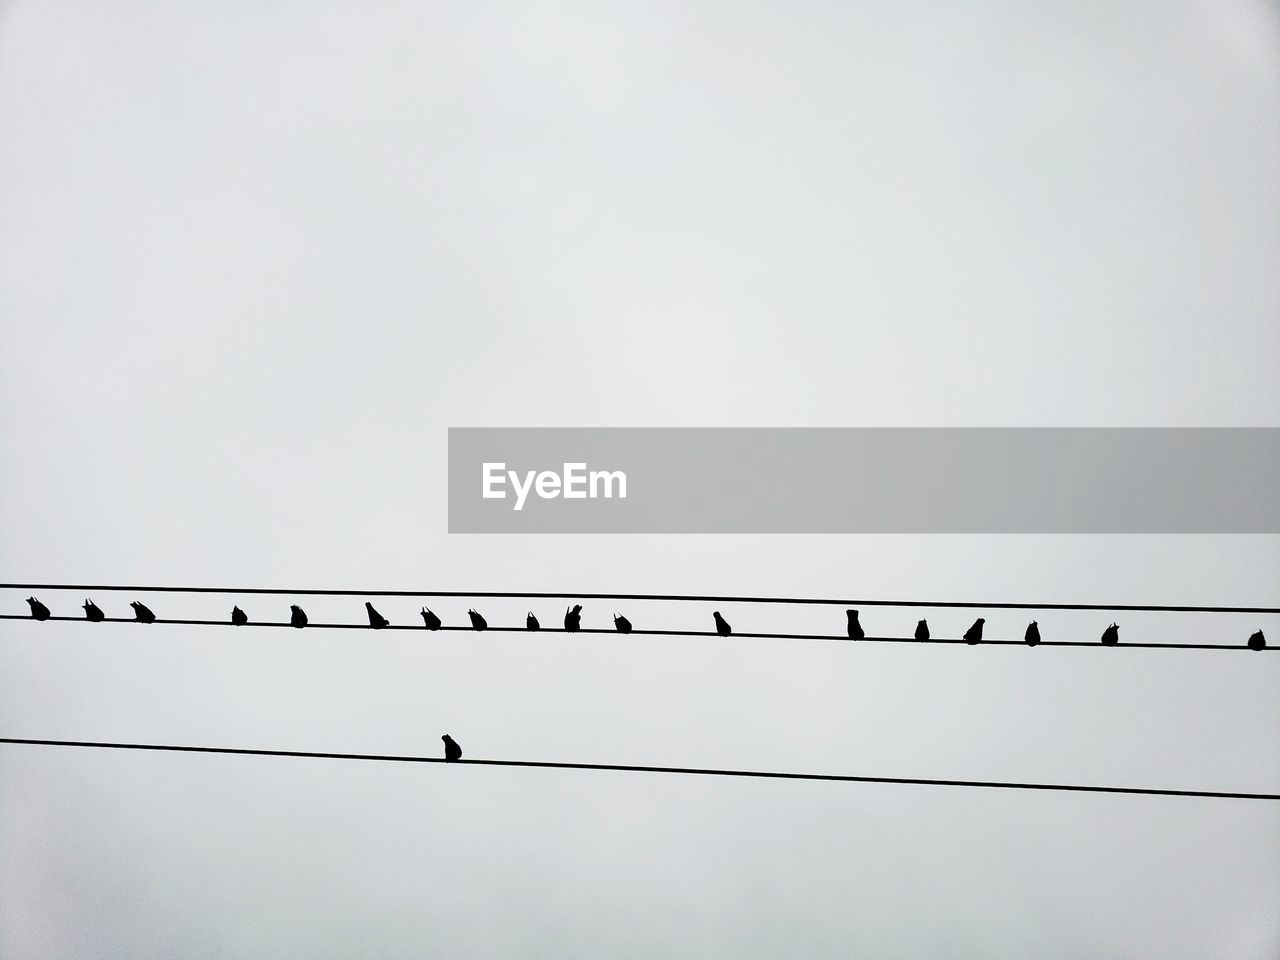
(922, 630)
(141, 612)
(92, 612)
(1111, 635)
(451, 749)
(855, 628)
(722, 625)
(1032, 636)
(573, 617)
(621, 623)
(477, 622)
(1257, 641)
(974, 633)
(376, 620)
(531, 622)
(430, 620)
(297, 618)
(238, 617)
(38, 610)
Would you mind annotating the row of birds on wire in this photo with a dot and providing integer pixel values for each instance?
(573, 622)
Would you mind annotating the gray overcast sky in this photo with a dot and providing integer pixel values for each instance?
(256, 259)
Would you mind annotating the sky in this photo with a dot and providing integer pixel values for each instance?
(255, 260)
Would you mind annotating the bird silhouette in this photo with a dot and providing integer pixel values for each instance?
(621, 623)
(430, 620)
(855, 628)
(1032, 636)
(573, 618)
(92, 612)
(141, 612)
(477, 622)
(38, 610)
(974, 633)
(238, 617)
(451, 749)
(722, 625)
(1111, 635)
(1256, 642)
(376, 620)
(296, 616)
(531, 622)
(922, 630)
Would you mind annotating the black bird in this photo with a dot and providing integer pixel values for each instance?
(141, 612)
(38, 610)
(974, 633)
(1111, 635)
(238, 617)
(91, 612)
(855, 628)
(573, 618)
(451, 749)
(296, 617)
(430, 620)
(922, 630)
(531, 622)
(722, 625)
(1032, 635)
(1256, 642)
(376, 620)
(477, 622)
(621, 623)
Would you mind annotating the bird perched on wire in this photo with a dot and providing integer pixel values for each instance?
(922, 630)
(1032, 636)
(621, 623)
(451, 749)
(38, 610)
(573, 617)
(1256, 642)
(430, 620)
(855, 628)
(477, 622)
(297, 618)
(974, 633)
(376, 620)
(141, 612)
(238, 617)
(1111, 635)
(92, 612)
(531, 622)
(722, 625)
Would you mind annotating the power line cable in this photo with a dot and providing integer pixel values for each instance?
(631, 768)
(485, 594)
(419, 628)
